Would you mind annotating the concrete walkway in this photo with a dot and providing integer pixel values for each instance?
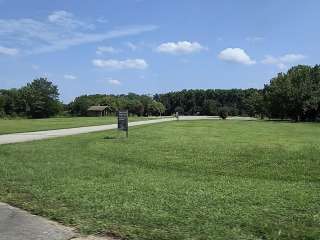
(16, 224)
(32, 136)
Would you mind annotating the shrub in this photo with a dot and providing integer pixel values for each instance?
(2, 114)
(223, 112)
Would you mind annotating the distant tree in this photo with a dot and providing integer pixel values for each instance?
(135, 107)
(223, 112)
(110, 101)
(253, 103)
(80, 105)
(160, 107)
(2, 102)
(179, 110)
(41, 98)
(156, 108)
(13, 103)
(277, 96)
(210, 107)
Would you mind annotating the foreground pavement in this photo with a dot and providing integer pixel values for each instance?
(32, 136)
(16, 224)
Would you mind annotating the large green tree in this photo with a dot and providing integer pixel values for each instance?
(41, 98)
(295, 94)
(156, 108)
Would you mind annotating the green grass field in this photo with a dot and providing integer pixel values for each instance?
(178, 180)
(29, 125)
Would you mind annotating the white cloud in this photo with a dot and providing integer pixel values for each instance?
(8, 51)
(289, 58)
(116, 64)
(66, 19)
(114, 82)
(182, 47)
(236, 55)
(132, 46)
(282, 61)
(106, 49)
(59, 31)
(69, 76)
(268, 59)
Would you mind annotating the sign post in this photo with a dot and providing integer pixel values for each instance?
(123, 121)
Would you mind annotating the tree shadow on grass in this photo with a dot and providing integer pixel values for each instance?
(110, 137)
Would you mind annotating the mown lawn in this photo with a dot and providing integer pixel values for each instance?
(177, 180)
(29, 125)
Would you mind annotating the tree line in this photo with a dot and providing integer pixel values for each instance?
(140, 105)
(293, 95)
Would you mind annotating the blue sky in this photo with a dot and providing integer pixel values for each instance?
(153, 46)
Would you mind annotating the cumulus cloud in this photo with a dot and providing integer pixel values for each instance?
(182, 47)
(117, 64)
(8, 51)
(114, 81)
(106, 49)
(236, 55)
(283, 61)
(69, 76)
(59, 31)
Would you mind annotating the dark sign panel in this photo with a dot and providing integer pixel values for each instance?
(123, 120)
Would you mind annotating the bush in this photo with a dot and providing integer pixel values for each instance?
(179, 109)
(2, 114)
(223, 112)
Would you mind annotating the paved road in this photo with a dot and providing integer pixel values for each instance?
(31, 136)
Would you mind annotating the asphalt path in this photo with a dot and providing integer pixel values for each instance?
(39, 135)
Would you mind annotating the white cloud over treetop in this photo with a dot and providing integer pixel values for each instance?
(282, 61)
(237, 55)
(114, 81)
(182, 47)
(289, 58)
(120, 64)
